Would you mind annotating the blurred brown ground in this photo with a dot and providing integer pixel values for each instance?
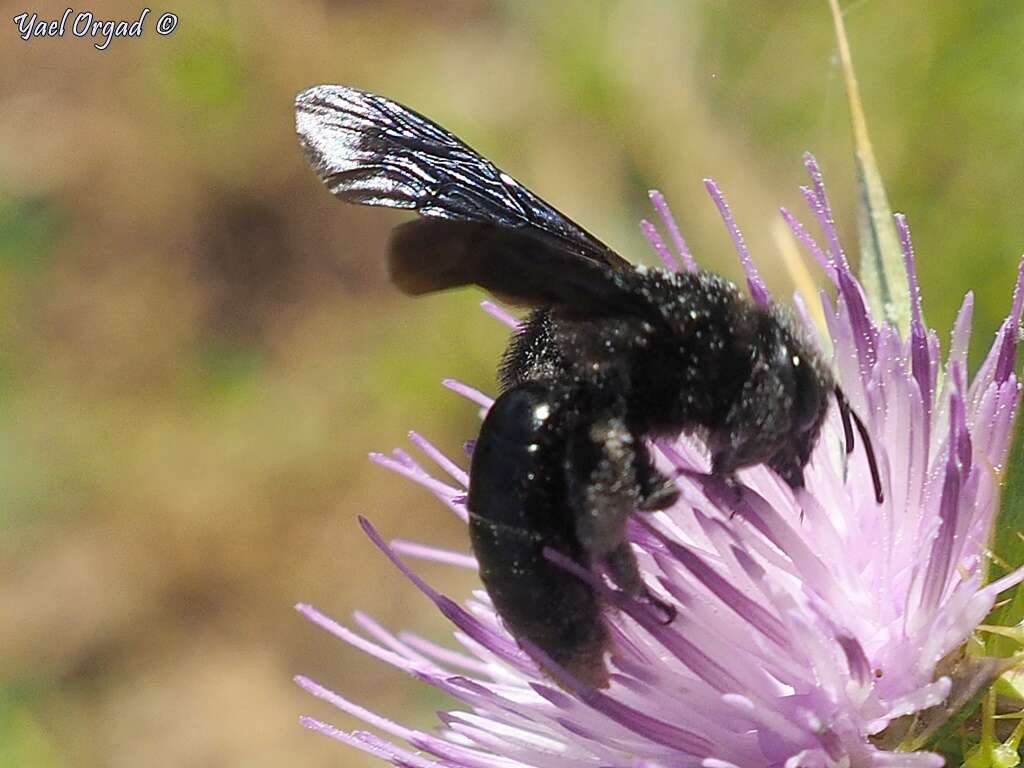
(199, 347)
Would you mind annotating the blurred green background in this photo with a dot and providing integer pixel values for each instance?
(199, 345)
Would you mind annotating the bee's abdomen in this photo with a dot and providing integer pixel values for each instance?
(517, 508)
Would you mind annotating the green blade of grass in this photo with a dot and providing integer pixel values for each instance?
(1007, 546)
(881, 258)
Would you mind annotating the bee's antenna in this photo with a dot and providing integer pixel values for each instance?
(847, 414)
(844, 412)
(876, 478)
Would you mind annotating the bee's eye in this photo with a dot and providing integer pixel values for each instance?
(808, 395)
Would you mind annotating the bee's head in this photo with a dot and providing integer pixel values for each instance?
(778, 413)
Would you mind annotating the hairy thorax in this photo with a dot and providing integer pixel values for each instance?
(677, 369)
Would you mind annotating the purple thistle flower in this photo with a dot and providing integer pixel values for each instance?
(808, 620)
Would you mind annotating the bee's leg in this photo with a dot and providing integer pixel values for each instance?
(656, 490)
(601, 478)
(622, 568)
(731, 482)
(601, 467)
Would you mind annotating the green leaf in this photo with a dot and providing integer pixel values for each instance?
(1011, 686)
(1008, 546)
(882, 271)
(933, 728)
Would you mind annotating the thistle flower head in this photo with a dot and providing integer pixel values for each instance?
(808, 620)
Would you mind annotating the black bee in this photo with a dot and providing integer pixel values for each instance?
(610, 356)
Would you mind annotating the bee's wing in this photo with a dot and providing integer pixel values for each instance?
(483, 227)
